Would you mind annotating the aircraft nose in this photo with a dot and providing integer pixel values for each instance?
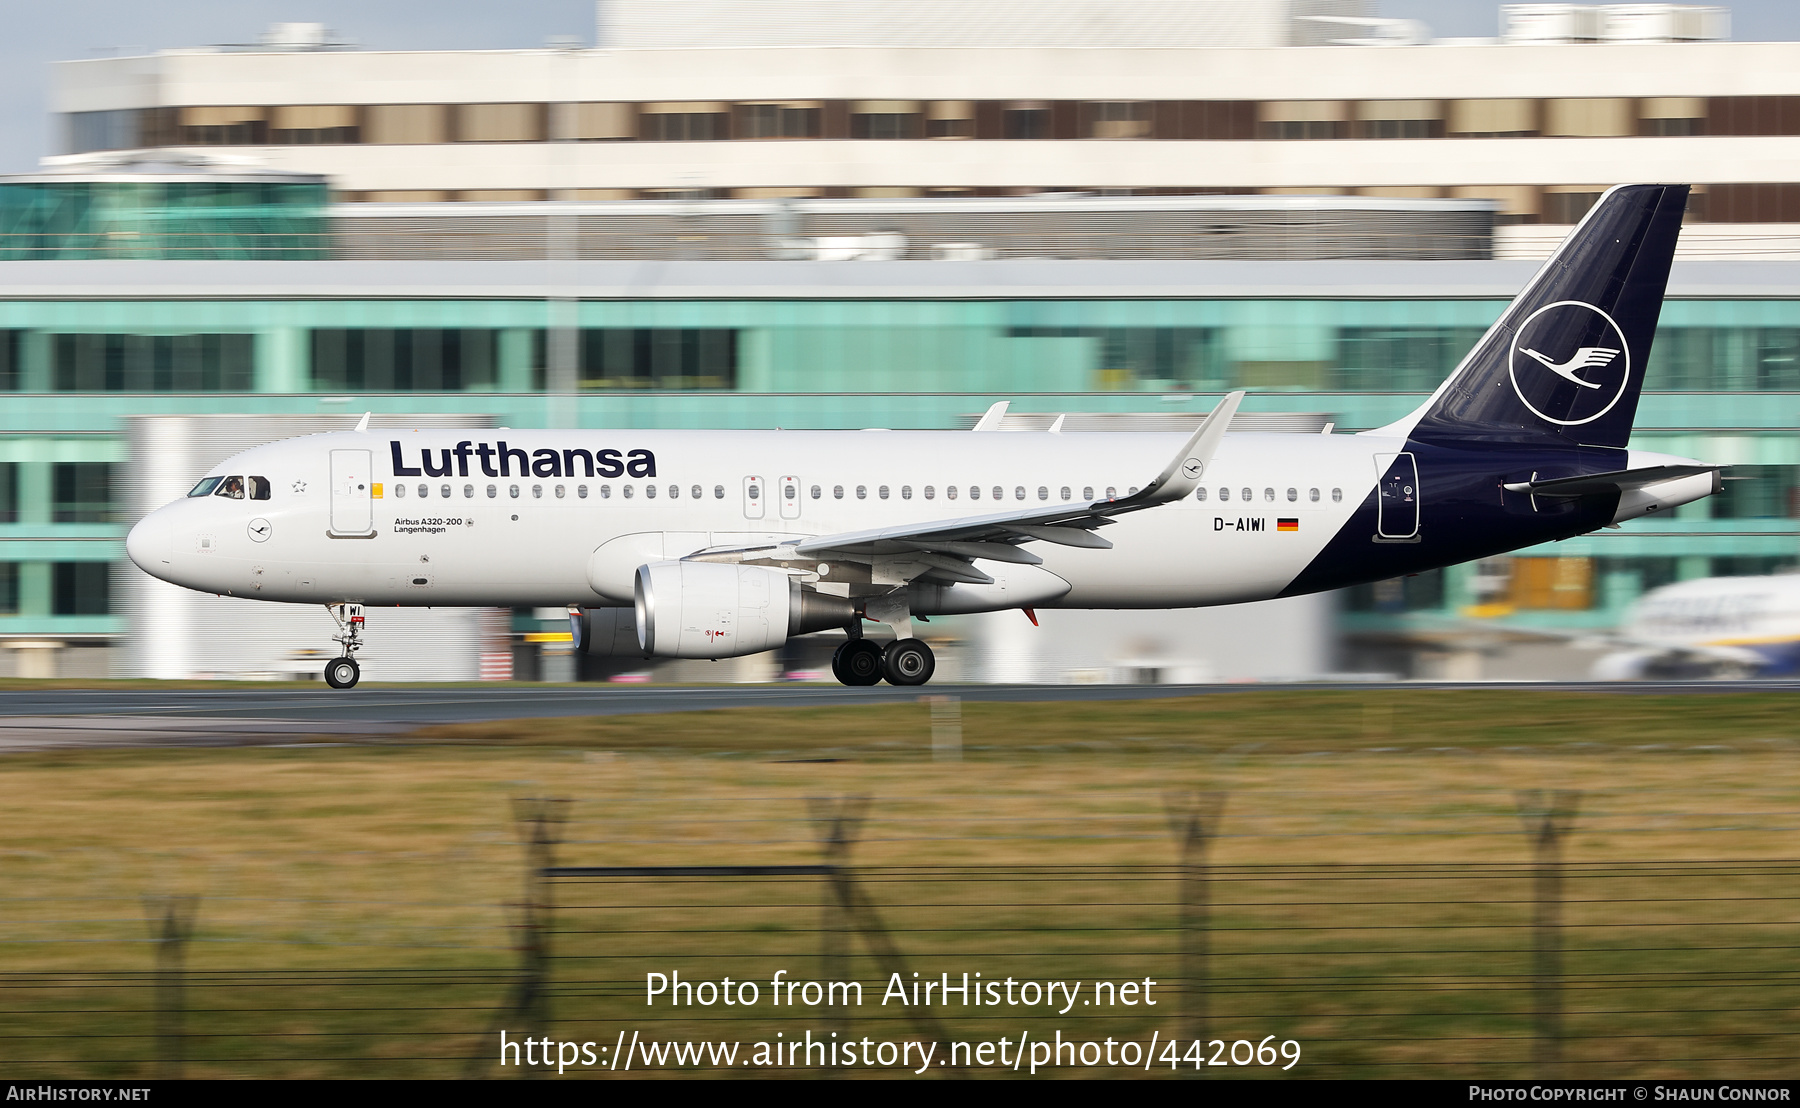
(150, 542)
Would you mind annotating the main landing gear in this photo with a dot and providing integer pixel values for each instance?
(904, 662)
(343, 673)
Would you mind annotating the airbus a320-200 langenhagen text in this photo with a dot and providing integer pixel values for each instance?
(716, 544)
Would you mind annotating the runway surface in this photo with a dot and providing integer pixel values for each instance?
(67, 718)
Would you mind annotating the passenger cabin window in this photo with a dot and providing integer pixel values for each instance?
(400, 491)
(882, 492)
(906, 492)
(1313, 495)
(837, 492)
(930, 492)
(1337, 495)
(259, 488)
(699, 493)
(231, 487)
(816, 491)
(580, 490)
(1199, 494)
(1087, 492)
(718, 492)
(206, 486)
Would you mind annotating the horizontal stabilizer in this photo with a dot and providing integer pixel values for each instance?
(1619, 480)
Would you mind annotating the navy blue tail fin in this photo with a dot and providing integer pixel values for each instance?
(1565, 363)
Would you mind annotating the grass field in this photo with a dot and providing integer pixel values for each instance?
(357, 904)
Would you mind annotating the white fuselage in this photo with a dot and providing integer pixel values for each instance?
(468, 538)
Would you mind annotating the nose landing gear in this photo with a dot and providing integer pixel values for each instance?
(343, 673)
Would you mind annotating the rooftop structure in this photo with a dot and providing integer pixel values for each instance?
(974, 104)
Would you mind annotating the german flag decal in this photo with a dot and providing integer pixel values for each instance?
(1287, 525)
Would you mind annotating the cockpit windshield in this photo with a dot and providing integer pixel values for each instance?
(206, 486)
(232, 487)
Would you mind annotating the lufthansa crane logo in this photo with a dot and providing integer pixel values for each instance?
(1570, 363)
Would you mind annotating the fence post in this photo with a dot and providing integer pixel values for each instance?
(171, 920)
(540, 821)
(946, 728)
(1194, 819)
(1548, 818)
(838, 822)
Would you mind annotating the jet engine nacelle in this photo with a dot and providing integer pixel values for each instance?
(605, 632)
(722, 610)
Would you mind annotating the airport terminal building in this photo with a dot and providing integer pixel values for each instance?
(154, 294)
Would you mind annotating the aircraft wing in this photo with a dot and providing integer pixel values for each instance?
(947, 547)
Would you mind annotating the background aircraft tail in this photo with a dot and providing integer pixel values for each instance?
(1565, 362)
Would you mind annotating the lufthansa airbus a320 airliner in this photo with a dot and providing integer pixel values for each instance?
(714, 544)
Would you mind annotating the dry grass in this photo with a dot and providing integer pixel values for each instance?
(357, 860)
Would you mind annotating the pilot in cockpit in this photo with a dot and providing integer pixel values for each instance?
(233, 487)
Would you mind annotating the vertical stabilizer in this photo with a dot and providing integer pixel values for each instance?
(1565, 362)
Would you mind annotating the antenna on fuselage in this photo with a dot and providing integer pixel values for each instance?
(363, 423)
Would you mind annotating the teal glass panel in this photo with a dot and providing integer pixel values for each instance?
(1756, 492)
(404, 359)
(81, 492)
(80, 589)
(164, 219)
(658, 358)
(151, 363)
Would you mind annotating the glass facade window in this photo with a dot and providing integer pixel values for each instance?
(886, 125)
(200, 219)
(80, 589)
(659, 358)
(1025, 123)
(81, 492)
(762, 121)
(1757, 492)
(9, 588)
(151, 363)
(1749, 359)
(1399, 359)
(404, 359)
(1422, 592)
(11, 380)
(9, 492)
(684, 126)
(1754, 565)
(1146, 357)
